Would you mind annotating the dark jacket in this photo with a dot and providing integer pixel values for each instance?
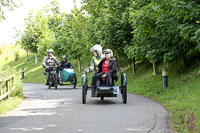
(65, 65)
(112, 67)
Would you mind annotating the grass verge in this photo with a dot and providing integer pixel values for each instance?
(181, 99)
(9, 104)
(5, 70)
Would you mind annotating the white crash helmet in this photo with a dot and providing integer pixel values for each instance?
(50, 51)
(97, 48)
(109, 51)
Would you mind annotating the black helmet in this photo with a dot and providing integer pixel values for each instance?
(64, 57)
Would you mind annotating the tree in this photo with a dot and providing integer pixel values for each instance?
(7, 5)
(37, 37)
(159, 35)
(79, 45)
(110, 20)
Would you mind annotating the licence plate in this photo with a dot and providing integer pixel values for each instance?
(104, 88)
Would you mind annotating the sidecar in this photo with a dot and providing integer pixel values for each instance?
(67, 75)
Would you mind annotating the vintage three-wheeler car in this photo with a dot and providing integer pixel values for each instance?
(103, 90)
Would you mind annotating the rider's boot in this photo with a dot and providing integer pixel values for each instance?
(47, 78)
(47, 82)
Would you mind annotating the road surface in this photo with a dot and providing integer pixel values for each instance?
(62, 111)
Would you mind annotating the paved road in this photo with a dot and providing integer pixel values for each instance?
(61, 111)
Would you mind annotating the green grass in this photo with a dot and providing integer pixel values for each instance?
(7, 55)
(9, 104)
(182, 99)
(34, 71)
(15, 98)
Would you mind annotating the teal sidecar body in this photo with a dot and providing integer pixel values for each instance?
(68, 75)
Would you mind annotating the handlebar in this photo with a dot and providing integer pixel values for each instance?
(52, 67)
(86, 70)
(121, 70)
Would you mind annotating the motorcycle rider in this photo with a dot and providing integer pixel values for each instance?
(65, 64)
(48, 62)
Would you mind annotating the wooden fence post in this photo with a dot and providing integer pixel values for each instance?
(12, 81)
(7, 88)
(9, 84)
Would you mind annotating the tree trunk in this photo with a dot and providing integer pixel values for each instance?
(134, 69)
(185, 58)
(36, 58)
(26, 55)
(155, 68)
(79, 64)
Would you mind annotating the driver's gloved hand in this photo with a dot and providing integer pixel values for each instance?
(58, 68)
(47, 69)
(86, 70)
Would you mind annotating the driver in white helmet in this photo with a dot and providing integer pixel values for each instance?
(49, 61)
(96, 59)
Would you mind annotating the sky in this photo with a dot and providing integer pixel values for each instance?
(16, 17)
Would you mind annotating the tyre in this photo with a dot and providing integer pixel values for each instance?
(49, 86)
(122, 79)
(124, 89)
(84, 93)
(84, 89)
(124, 95)
(55, 82)
(102, 98)
(74, 81)
(50, 82)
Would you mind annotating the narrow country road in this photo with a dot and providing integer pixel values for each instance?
(62, 111)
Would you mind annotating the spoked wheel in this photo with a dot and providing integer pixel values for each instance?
(102, 98)
(49, 86)
(124, 89)
(84, 93)
(84, 89)
(74, 81)
(55, 82)
(124, 95)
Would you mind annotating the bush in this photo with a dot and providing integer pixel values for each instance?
(1, 51)
(16, 56)
(6, 58)
(18, 91)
